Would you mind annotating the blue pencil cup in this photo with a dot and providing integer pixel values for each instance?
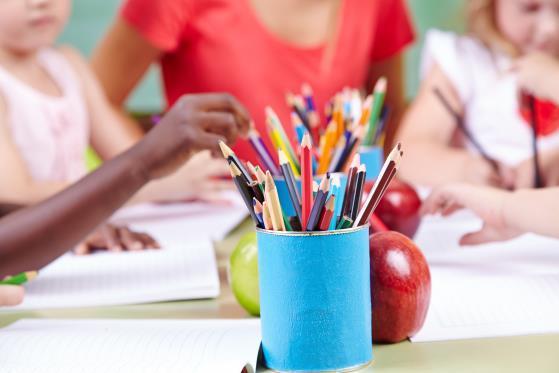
(283, 192)
(315, 302)
(373, 158)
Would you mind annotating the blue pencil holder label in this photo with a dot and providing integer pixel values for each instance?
(283, 192)
(315, 299)
(373, 158)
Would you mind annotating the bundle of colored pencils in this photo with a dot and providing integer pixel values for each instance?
(351, 121)
(317, 208)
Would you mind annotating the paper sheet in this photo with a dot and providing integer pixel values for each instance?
(180, 270)
(117, 346)
(498, 289)
(201, 219)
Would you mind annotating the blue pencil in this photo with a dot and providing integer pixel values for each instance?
(335, 191)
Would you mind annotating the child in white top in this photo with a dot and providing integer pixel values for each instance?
(513, 47)
(52, 108)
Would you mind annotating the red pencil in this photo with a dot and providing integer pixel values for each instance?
(306, 179)
(325, 219)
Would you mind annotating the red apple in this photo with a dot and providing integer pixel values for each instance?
(400, 287)
(399, 208)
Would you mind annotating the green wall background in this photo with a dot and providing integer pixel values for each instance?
(90, 19)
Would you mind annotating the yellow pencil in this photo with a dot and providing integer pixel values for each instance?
(280, 145)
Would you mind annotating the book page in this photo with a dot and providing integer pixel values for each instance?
(202, 219)
(184, 269)
(498, 289)
(116, 346)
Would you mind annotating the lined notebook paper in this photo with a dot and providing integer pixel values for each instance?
(499, 289)
(180, 270)
(116, 346)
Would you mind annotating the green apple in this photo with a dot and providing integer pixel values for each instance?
(243, 274)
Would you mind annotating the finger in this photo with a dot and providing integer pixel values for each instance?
(11, 295)
(484, 235)
(82, 249)
(220, 123)
(224, 102)
(209, 141)
(110, 235)
(130, 241)
(149, 241)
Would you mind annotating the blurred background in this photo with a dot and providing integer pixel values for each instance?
(90, 19)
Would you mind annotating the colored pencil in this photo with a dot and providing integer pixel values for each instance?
(298, 108)
(290, 182)
(232, 159)
(384, 116)
(379, 94)
(284, 141)
(281, 145)
(350, 150)
(338, 153)
(244, 190)
(19, 279)
(461, 126)
(274, 205)
(319, 202)
(345, 222)
(266, 217)
(326, 218)
(350, 186)
(365, 112)
(295, 223)
(306, 179)
(262, 150)
(258, 212)
(335, 186)
(360, 181)
(386, 175)
(377, 224)
(312, 114)
(257, 191)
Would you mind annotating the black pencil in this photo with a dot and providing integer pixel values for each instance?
(350, 186)
(359, 182)
(244, 191)
(232, 158)
(257, 191)
(319, 203)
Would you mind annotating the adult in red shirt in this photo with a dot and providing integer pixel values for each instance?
(257, 50)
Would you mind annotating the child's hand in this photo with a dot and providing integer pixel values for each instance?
(538, 73)
(485, 202)
(116, 239)
(11, 295)
(194, 123)
(478, 171)
(548, 163)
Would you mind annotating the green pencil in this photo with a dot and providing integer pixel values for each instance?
(379, 94)
(20, 279)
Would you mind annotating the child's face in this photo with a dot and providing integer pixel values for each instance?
(27, 25)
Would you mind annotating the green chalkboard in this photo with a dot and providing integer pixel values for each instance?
(90, 19)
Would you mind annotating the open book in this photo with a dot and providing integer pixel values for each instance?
(499, 289)
(178, 271)
(117, 346)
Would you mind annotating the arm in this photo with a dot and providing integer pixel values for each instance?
(33, 237)
(121, 59)
(427, 130)
(505, 214)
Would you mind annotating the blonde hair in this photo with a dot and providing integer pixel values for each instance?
(482, 23)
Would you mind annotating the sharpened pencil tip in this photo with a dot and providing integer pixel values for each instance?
(227, 152)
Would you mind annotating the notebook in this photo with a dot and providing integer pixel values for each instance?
(183, 269)
(117, 346)
(498, 289)
(201, 219)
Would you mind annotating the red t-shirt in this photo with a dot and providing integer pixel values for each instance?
(221, 46)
